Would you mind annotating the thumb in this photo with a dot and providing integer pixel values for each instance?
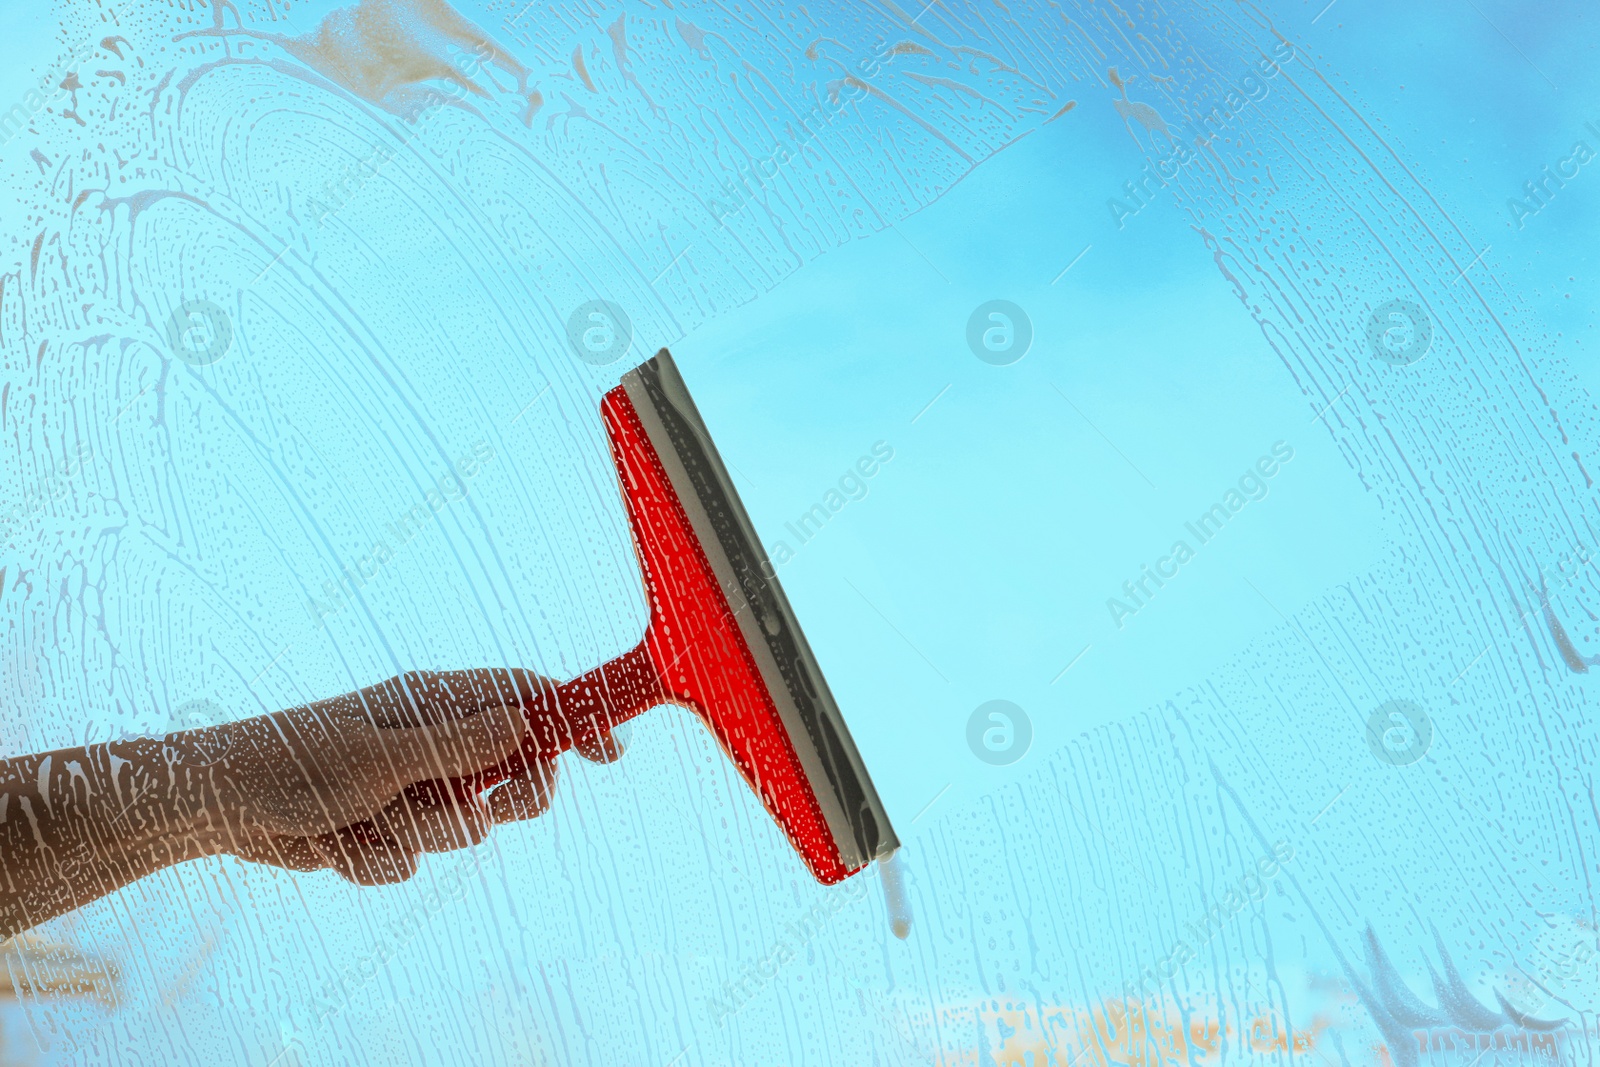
(606, 747)
(454, 748)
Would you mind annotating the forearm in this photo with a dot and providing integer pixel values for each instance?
(79, 823)
(323, 785)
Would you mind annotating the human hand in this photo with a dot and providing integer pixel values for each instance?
(362, 783)
(358, 783)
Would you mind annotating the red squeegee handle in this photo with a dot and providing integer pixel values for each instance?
(561, 716)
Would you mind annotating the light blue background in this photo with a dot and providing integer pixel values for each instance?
(978, 567)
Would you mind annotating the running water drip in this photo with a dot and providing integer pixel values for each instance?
(894, 894)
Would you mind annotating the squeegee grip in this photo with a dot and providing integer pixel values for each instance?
(561, 716)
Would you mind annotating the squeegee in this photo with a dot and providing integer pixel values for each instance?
(722, 640)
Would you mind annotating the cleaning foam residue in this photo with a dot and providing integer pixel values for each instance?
(894, 894)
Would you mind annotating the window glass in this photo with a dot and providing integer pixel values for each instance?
(1171, 429)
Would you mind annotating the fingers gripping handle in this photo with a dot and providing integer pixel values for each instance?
(584, 709)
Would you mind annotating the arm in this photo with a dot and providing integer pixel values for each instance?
(60, 813)
(308, 788)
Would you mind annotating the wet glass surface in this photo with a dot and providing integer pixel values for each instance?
(1173, 429)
